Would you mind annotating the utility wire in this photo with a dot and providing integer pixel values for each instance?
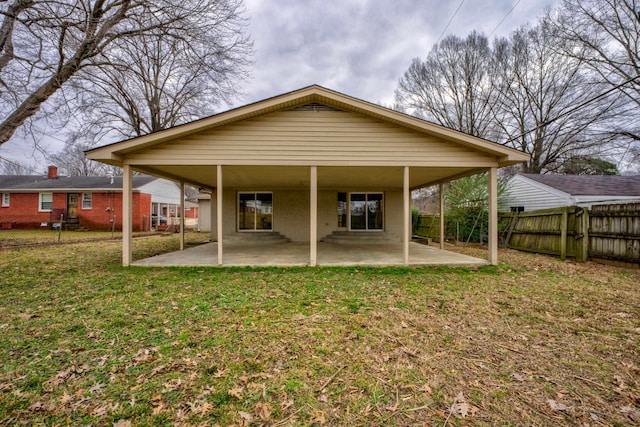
(449, 23)
(577, 107)
(505, 17)
(29, 168)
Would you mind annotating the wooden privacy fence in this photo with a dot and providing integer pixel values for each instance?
(614, 233)
(606, 232)
(558, 232)
(427, 226)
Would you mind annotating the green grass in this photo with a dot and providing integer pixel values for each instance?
(84, 341)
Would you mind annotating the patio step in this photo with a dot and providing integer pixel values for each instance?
(358, 237)
(257, 238)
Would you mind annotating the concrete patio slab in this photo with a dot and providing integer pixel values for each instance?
(297, 254)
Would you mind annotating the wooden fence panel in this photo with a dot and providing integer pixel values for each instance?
(549, 231)
(428, 226)
(614, 233)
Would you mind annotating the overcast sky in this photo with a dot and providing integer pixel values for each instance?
(362, 47)
(357, 47)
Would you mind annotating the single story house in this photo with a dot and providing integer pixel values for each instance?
(308, 164)
(83, 202)
(529, 192)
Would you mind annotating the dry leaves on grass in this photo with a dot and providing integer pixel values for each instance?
(557, 406)
(498, 345)
(461, 408)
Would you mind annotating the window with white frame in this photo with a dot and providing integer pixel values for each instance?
(46, 202)
(87, 200)
(5, 200)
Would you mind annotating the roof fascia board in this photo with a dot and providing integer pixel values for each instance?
(609, 198)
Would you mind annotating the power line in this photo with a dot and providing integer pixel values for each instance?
(505, 17)
(29, 168)
(577, 107)
(449, 23)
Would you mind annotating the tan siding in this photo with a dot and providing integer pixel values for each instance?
(305, 137)
(291, 214)
(229, 212)
(327, 213)
(394, 213)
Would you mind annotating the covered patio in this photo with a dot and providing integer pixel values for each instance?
(297, 254)
(306, 165)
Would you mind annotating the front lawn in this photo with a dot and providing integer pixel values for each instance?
(534, 341)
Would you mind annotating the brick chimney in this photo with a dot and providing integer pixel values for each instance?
(53, 172)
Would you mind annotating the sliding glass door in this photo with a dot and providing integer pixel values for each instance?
(255, 211)
(366, 211)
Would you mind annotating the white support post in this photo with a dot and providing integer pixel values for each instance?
(407, 215)
(441, 188)
(493, 216)
(313, 217)
(127, 216)
(182, 215)
(219, 211)
(213, 215)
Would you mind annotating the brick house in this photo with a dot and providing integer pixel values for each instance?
(87, 202)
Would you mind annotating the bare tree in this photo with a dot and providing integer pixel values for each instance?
(452, 85)
(542, 101)
(523, 91)
(45, 44)
(73, 162)
(155, 82)
(605, 35)
(10, 167)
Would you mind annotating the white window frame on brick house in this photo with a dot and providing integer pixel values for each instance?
(87, 201)
(6, 198)
(41, 201)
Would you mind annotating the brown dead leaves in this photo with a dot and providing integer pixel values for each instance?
(261, 411)
(461, 408)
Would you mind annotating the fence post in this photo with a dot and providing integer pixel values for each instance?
(512, 224)
(585, 235)
(563, 233)
(579, 234)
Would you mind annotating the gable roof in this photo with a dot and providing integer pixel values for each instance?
(274, 141)
(314, 94)
(591, 185)
(28, 183)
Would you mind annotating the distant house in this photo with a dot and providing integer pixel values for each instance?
(88, 202)
(528, 192)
